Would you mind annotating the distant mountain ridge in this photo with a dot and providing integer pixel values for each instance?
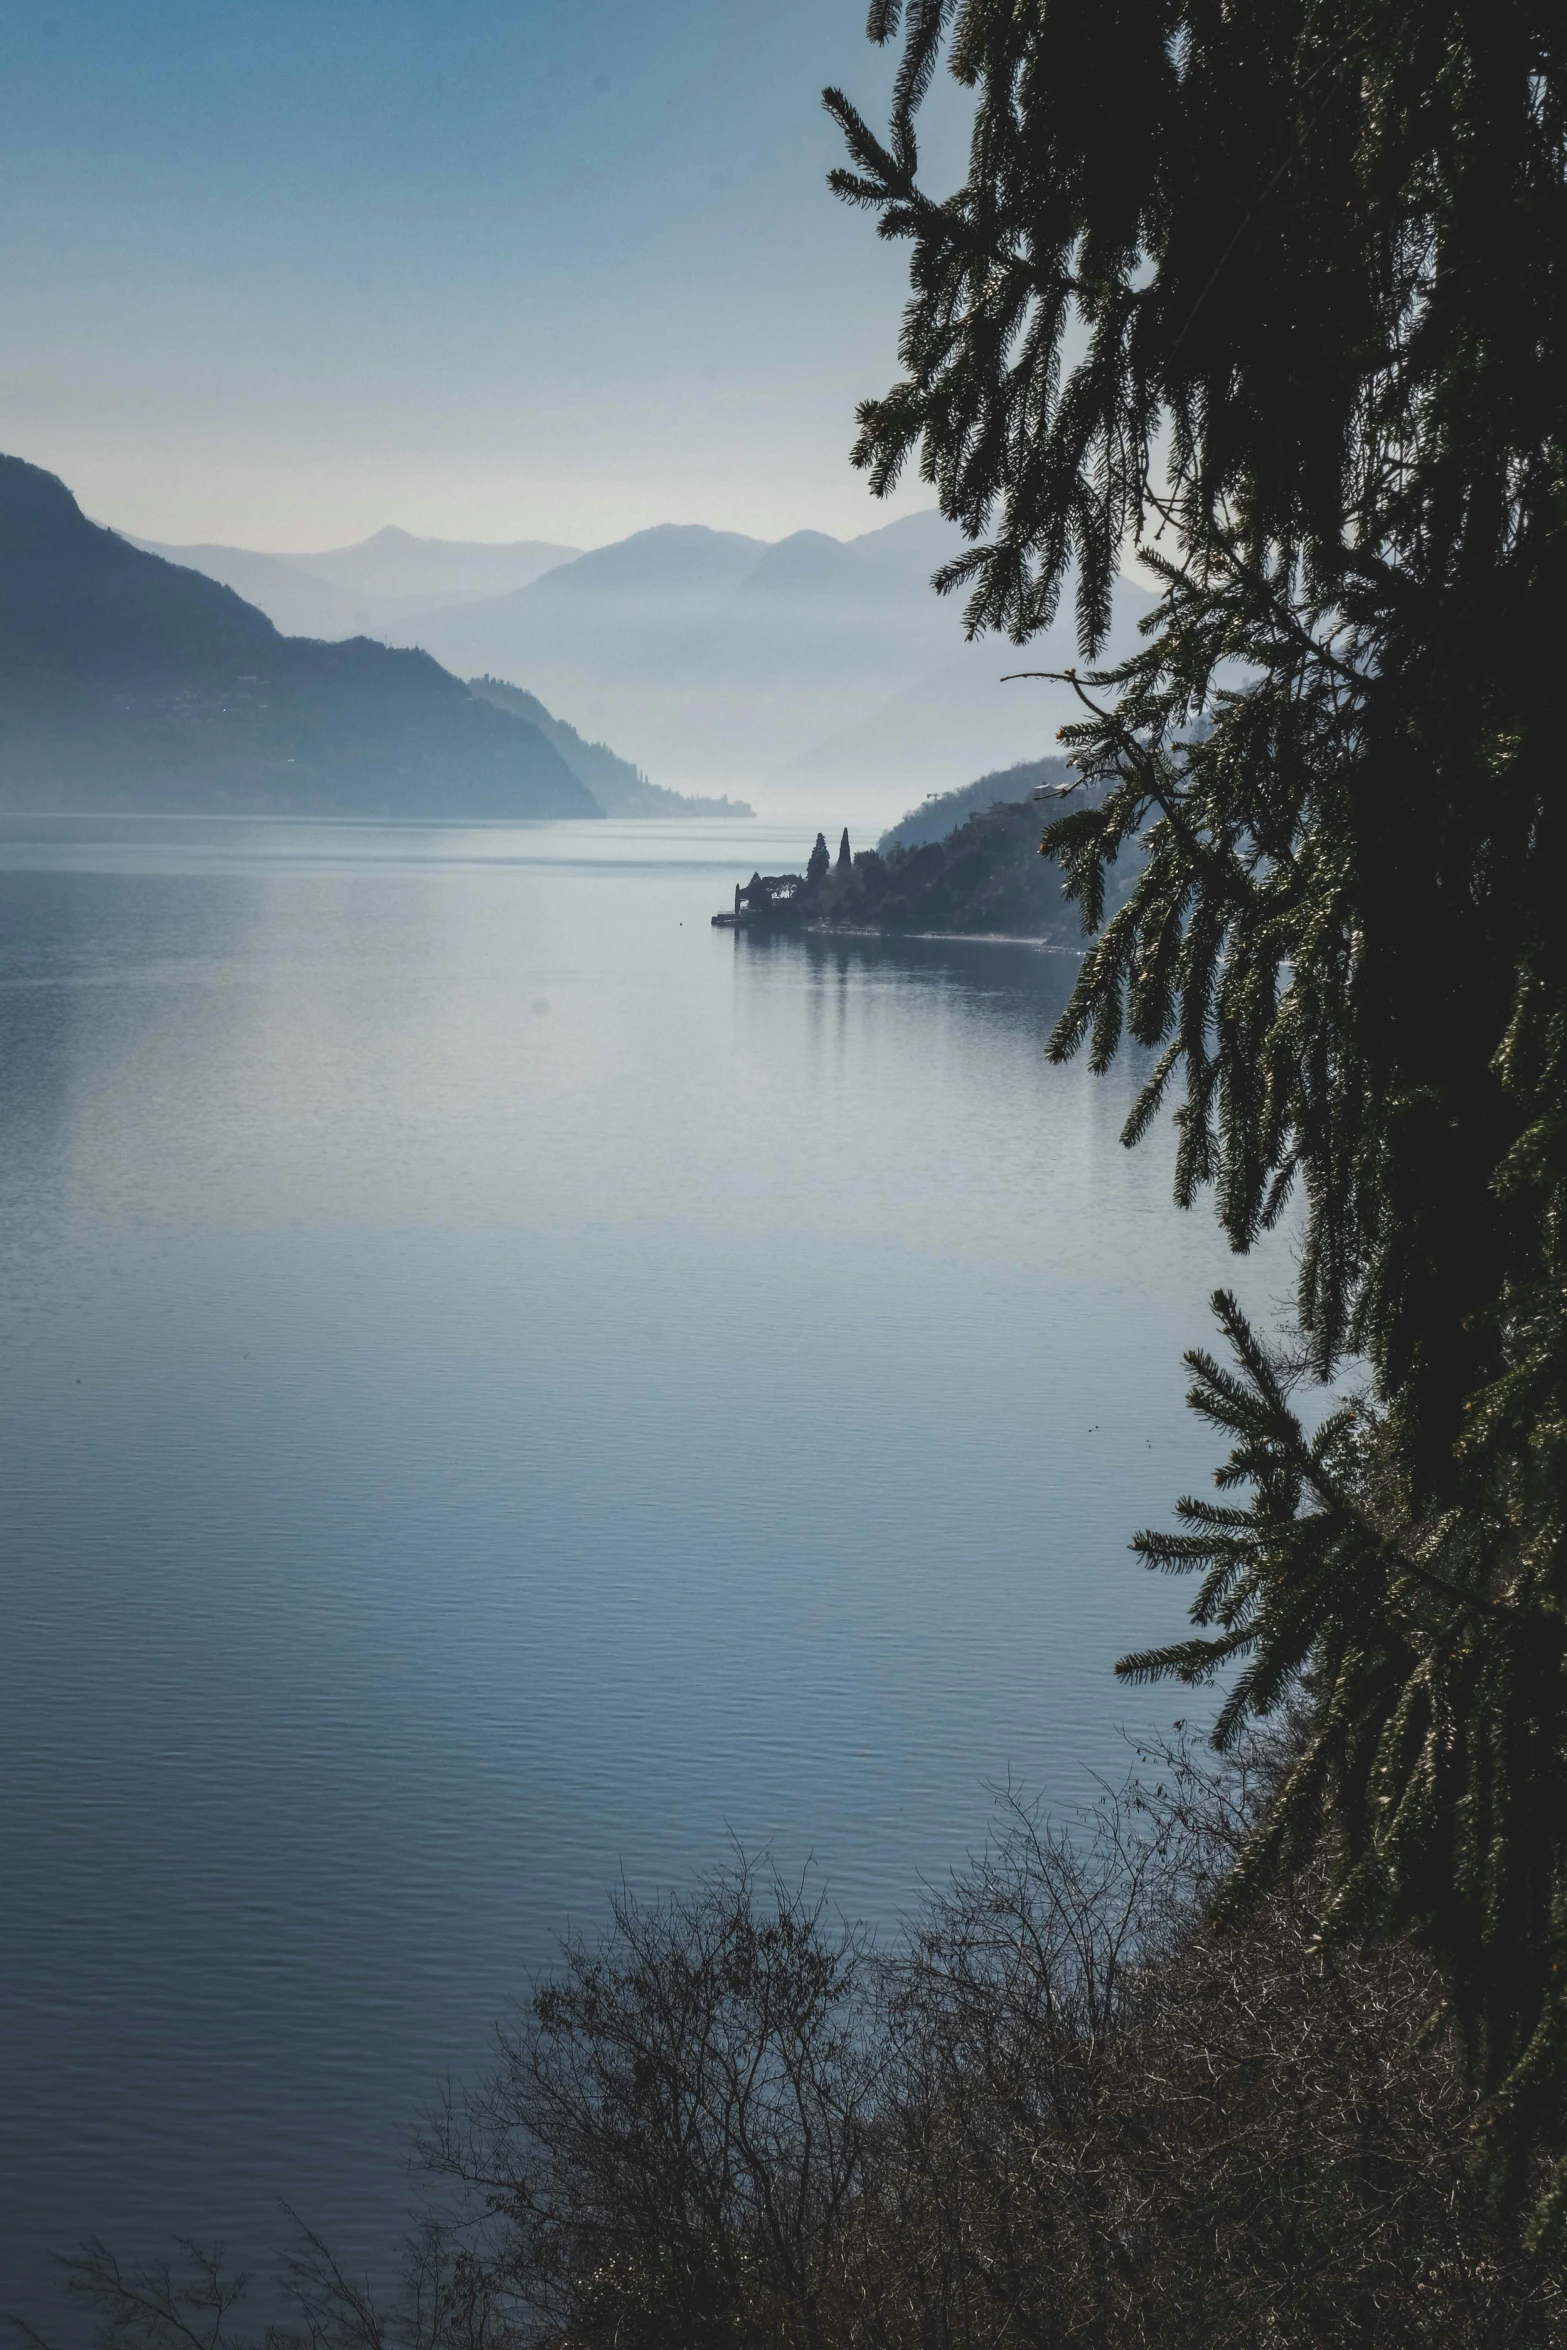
(130, 682)
(808, 666)
(393, 562)
(720, 655)
(365, 589)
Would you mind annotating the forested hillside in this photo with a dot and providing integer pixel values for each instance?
(128, 682)
(944, 811)
(985, 878)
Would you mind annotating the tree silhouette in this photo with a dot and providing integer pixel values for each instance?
(1310, 252)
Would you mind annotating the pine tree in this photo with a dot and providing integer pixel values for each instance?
(1310, 254)
(819, 863)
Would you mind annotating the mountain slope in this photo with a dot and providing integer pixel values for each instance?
(943, 812)
(917, 546)
(814, 668)
(126, 681)
(294, 601)
(619, 788)
(985, 877)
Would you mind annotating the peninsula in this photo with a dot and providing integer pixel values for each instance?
(983, 878)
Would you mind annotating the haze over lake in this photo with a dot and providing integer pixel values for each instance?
(506, 1386)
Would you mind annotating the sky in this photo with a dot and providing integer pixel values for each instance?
(279, 272)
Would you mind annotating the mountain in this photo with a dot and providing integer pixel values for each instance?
(130, 682)
(292, 600)
(986, 877)
(814, 668)
(968, 860)
(720, 655)
(619, 788)
(958, 713)
(817, 569)
(366, 589)
(915, 546)
(393, 563)
(684, 560)
(943, 812)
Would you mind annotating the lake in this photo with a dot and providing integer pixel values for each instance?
(507, 1388)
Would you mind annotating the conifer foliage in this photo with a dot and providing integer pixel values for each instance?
(1278, 289)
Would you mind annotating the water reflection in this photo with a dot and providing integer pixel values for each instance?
(457, 1450)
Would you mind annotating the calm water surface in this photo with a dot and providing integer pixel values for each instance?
(505, 1386)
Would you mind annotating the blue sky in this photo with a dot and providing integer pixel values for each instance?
(279, 271)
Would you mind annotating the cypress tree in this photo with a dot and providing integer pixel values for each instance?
(1277, 290)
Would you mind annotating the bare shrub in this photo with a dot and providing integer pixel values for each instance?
(669, 2149)
(1073, 2107)
(1107, 2121)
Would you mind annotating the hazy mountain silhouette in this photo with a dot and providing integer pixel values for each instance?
(815, 568)
(807, 667)
(365, 589)
(718, 655)
(812, 665)
(395, 563)
(292, 600)
(916, 546)
(619, 788)
(673, 558)
(953, 718)
(130, 682)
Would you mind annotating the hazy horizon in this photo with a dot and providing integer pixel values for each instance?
(286, 280)
(881, 514)
(280, 279)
